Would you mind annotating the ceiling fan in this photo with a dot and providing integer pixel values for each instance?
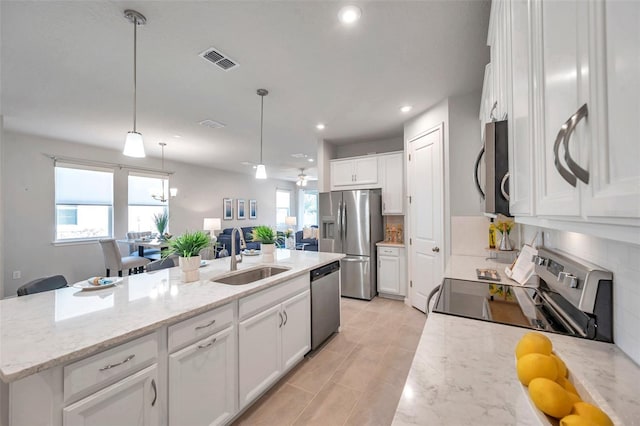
(302, 179)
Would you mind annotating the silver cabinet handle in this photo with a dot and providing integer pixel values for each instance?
(200, 327)
(155, 392)
(571, 124)
(476, 170)
(566, 175)
(505, 178)
(281, 320)
(206, 345)
(436, 249)
(110, 366)
(286, 317)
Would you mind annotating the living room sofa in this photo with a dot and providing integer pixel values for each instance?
(225, 238)
(311, 243)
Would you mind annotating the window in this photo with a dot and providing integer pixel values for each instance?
(142, 206)
(84, 202)
(310, 208)
(283, 206)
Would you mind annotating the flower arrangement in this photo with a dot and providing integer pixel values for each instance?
(161, 220)
(504, 224)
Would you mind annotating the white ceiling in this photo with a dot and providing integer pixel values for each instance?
(67, 73)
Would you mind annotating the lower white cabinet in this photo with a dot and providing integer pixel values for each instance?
(272, 341)
(131, 401)
(203, 381)
(391, 271)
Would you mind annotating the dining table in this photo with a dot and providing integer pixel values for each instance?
(144, 243)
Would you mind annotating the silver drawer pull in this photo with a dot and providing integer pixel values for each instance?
(206, 345)
(200, 327)
(110, 366)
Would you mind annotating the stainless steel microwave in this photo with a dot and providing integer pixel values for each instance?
(496, 154)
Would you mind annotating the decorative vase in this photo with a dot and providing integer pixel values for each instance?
(290, 243)
(267, 252)
(505, 243)
(190, 267)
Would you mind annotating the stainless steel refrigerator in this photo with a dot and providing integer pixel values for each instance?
(351, 223)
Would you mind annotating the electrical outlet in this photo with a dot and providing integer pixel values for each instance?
(17, 275)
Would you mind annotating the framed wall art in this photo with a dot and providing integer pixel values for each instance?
(240, 212)
(227, 208)
(253, 209)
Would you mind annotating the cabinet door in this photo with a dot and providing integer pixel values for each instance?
(296, 329)
(388, 274)
(131, 401)
(202, 381)
(259, 353)
(392, 184)
(366, 170)
(614, 189)
(342, 173)
(562, 67)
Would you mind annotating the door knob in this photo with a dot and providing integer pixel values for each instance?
(436, 249)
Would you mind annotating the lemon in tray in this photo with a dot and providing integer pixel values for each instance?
(533, 342)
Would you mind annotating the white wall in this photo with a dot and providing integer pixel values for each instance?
(623, 259)
(28, 203)
(370, 147)
(326, 152)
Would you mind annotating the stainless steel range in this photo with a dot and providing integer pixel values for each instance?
(573, 297)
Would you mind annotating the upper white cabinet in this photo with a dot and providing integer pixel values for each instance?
(358, 172)
(391, 171)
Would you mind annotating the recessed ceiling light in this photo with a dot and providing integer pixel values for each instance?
(320, 126)
(310, 160)
(406, 108)
(177, 136)
(349, 14)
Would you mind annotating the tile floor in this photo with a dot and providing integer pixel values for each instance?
(354, 379)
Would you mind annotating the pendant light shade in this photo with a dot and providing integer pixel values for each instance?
(133, 145)
(261, 170)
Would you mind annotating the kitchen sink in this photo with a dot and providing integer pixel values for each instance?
(250, 275)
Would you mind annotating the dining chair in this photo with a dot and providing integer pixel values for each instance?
(42, 284)
(133, 248)
(168, 262)
(113, 260)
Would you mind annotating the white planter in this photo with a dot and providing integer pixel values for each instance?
(267, 252)
(190, 267)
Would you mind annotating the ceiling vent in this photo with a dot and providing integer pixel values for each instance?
(219, 59)
(212, 124)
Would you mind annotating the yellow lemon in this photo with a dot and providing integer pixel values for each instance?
(574, 397)
(562, 367)
(565, 383)
(550, 397)
(592, 413)
(575, 420)
(533, 342)
(536, 365)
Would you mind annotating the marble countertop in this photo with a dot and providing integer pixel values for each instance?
(464, 370)
(464, 268)
(47, 329)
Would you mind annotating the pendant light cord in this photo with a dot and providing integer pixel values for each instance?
(261, 121)
(135, 69)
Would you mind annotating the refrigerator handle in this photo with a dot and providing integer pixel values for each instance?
(339, 220)
(344, 221)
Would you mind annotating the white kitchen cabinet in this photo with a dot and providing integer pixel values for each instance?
(357, 172)
(203, 381)
(271, 342)
(392, 174)
(131, 401)
(392, 271)
(497, 39)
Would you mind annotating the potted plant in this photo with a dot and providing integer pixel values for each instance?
(161, 221)
(187, 246)
(267, 238)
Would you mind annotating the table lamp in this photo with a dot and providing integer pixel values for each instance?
(290, 221)
(212, 224)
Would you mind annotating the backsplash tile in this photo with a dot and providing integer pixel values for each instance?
(623, 259)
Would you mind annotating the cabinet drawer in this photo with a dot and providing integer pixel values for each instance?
(389, 251)
(104, 368)
(202, 325)
(264, 299)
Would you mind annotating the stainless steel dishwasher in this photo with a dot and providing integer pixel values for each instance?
(325, 303)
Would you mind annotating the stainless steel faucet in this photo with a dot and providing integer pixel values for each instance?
(234, 259)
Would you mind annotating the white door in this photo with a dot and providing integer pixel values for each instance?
(132, 401)
(426, 251)
(366, 170)
(296, 329)
(562, 67)
(392, 185)
(342, 173)
(614, 190)
(259, 353)
(203, 381)
(388, 274)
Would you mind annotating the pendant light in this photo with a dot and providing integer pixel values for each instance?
(162, 197)
(133, 145)
(261, 170)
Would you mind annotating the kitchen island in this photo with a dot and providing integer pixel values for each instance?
(464, 371)
(49, 340)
